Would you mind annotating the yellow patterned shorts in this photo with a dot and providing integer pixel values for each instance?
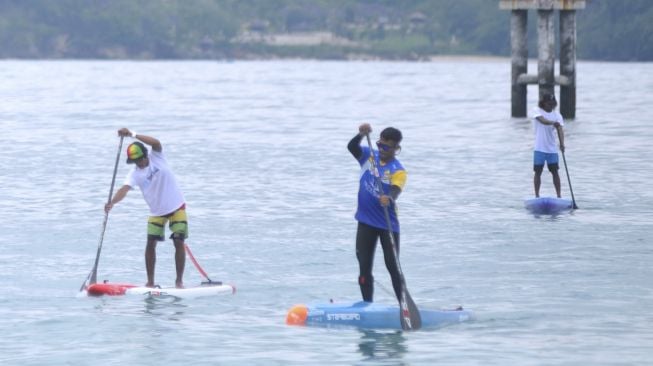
(178, 224)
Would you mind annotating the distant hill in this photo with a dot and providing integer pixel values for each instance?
(321, 29)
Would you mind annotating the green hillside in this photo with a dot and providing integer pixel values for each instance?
(322, 29)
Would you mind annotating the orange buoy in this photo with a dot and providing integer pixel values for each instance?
(297, 315)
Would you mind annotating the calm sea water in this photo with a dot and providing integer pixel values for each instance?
(260, 151)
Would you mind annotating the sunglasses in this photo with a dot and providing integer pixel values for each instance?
(385, 147)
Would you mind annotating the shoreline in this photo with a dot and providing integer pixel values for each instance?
(357, 58)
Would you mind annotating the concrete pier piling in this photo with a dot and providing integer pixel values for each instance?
(568, 63)
(545, 51)
(545, 78)
(519, 59)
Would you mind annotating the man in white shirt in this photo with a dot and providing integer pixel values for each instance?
(162, 194)
(546, 122)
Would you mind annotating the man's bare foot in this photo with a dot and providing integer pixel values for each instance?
(179, 284)
(150, 284)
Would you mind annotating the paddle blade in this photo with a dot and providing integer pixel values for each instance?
(86, 283)
(409, 316)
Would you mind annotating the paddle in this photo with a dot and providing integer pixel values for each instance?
(409, 314)
(199, 268)
(573, 200)
(92, 276)
(564, 160)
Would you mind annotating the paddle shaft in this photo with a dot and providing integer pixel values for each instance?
(573, 200)
(410, 319)
(92, 277)
(564, 160)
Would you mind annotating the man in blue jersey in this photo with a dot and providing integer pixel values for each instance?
(370, 214)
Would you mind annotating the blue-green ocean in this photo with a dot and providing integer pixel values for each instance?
(259, 149)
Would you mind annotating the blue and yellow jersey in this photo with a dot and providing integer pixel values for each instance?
(369, 210)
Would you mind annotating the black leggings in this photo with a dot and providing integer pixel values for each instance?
(366, 238)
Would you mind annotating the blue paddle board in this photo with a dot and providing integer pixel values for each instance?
(368, 315)
(548, 205)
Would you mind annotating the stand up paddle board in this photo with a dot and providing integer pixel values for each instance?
(368, 315)
(117, 289)
(548, 205)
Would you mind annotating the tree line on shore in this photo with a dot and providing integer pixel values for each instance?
(320, 29)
